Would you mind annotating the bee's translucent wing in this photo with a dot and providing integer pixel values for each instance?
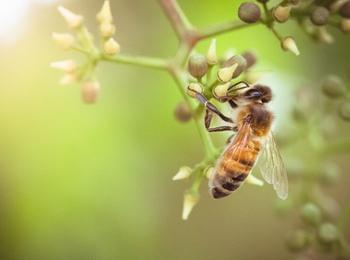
(240, 141)
(273, 169)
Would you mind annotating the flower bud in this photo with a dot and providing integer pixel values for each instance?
(323, 36)
(209, 172)
(311, 214)
(111, 47)
(183, 173)
(330, 174)
(105, 14)
(328, 233)
(333, 87)
(211, 55)
(344, 111)
(197, 65)
(289, 44)
(225, 74)
(65, 65)
(236, 59)
(344, 10)
(254, 180)
(345, 25)
(107, 30)
(193, 89)
(283, 207)
(183, 112)
(73, 20)
(298, 240)
(335, 5)
(90, 91)
(320, 15)
(249, 12)
(63, 40)
(250, 58)
(68, 78)
(190, 200)
(221, 90)
(281, 13)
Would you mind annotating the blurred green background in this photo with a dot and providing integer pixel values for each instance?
(94, 182)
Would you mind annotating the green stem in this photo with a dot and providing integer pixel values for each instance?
(150, 62)
(222, 28)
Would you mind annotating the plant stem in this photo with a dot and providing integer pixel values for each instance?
(222, 28)
(155, 63)
(176, 17)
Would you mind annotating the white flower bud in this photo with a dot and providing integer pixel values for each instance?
(190, 200)
(65, 65)
(63, 40)
(221, 90)
(193, 89)
(73, 20)
(211, 55)
(68, 78)
(90, 91)
(324, 36)
(209, 173)
(105, 15)
(111, 47)
(107, 30)
(289, 44)
(225, 74)
(183, 173)
(251, 179)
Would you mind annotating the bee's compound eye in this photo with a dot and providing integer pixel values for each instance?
(253, 94)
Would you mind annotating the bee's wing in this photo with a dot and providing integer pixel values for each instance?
(273, 169)
(240, 141)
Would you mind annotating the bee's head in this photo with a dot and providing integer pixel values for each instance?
(259, 93)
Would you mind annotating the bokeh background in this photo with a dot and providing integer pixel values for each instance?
(94, 181)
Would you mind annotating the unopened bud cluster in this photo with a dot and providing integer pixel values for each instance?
(313, 16)
(214, 76)
(81, 40)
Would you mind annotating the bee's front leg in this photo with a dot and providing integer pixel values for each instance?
(207, 121)
(211, 107)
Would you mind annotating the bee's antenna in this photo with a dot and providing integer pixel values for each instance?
(232, 88)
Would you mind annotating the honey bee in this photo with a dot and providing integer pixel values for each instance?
(253, 139)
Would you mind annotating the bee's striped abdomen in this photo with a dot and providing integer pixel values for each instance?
(233, 168)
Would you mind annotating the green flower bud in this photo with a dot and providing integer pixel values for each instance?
(311, 213)
(319, 15)
(330, 174)
(250, 58)
(333, 87)
(328, 233)
(249, 12)
(297, 240)
(238, 59)
(345, 10)
(194, 88)
(197, 65)
(344, 111)
(182, 112)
